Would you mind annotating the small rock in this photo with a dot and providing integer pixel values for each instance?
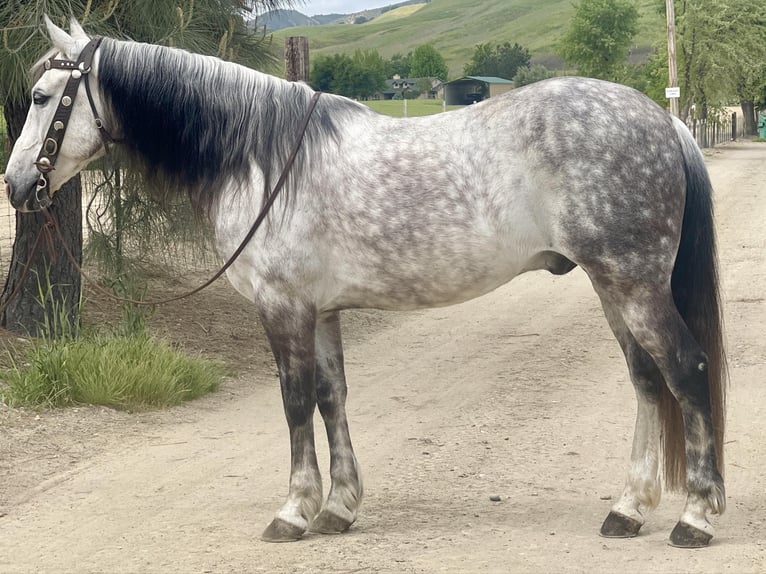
(495, 498)
(606, 497)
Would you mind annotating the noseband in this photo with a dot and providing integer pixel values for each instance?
(46, 159)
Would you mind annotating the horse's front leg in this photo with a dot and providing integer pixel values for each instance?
(339, 511)
(291, 332)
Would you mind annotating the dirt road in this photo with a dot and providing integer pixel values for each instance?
(522, 394)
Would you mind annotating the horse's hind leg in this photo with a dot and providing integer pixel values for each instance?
(339, 511)
(652, 318)
(642, 488)
(290, 329)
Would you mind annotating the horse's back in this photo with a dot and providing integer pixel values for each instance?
(433, 211)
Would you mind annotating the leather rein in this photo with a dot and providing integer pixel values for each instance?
(46, 162)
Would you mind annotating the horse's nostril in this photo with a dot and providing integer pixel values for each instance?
(7, 187)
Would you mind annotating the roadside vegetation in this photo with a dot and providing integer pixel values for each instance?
(122, 367)
(126, 371)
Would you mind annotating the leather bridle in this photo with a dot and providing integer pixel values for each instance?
(46, 159)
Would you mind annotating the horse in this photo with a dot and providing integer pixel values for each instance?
(562, 173)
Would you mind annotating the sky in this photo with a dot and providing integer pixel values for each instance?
(312, 7)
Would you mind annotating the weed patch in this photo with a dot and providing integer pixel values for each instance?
(134, 372)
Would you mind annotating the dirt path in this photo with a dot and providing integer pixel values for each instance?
(521, 394)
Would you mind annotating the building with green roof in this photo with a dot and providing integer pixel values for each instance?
(472, 89)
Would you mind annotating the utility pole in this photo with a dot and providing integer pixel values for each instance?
(672, 93)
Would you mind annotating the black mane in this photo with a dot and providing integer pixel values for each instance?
(195, 123)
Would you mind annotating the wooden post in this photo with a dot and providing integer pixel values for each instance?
(297, 59)
(734, 126)
(672, 69)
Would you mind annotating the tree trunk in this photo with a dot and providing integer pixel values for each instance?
(48, 300)
(748, 115)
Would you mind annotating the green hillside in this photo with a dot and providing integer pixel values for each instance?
(456, 26)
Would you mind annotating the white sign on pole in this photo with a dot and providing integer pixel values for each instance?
(672, 93)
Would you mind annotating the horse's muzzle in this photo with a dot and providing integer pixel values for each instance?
(26, 197)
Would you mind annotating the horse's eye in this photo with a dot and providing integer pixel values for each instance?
(40, 99)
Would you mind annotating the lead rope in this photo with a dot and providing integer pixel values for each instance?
(53, 223)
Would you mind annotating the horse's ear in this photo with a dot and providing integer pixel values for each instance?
(59, 38)
(76, 30)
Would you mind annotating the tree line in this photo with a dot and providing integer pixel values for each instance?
(363, 74)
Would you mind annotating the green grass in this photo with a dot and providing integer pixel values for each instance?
(415, 108)
(456, 26)
(133, 372)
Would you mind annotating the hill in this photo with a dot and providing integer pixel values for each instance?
(278, 19)
(454, 27)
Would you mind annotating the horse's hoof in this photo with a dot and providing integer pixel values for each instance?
(618, 525)
(281, 531)
(328, 523)
(687, 536)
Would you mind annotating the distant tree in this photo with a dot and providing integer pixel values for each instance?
(427, 62)
(502, 61)
(651, 76)
(399, 65)
(721, 52)
(332, 74)
(371, 73)
(423, 85)
(322, 72)
(530, 74)
(360, 76)
(750, 86)
(599, 37)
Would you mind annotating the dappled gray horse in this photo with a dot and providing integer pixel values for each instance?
(566, 172)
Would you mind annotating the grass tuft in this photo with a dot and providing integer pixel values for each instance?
(133, 372)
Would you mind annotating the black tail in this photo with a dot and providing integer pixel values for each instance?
(696, 293)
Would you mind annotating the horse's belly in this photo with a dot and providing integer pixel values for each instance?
(403, 287)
